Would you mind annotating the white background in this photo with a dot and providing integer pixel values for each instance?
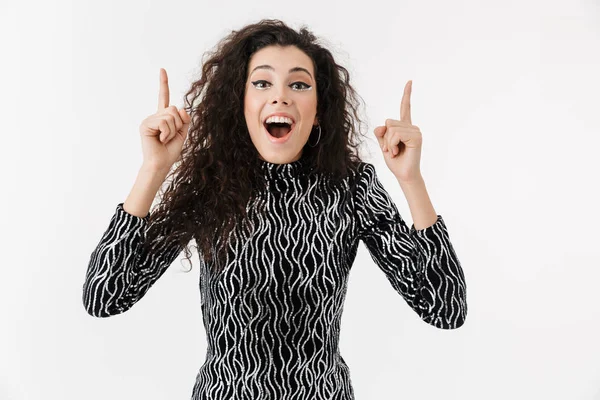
(506, 95)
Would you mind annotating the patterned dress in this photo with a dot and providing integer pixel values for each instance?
(272, 315)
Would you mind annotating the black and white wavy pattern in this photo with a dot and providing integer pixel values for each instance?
(272, 316)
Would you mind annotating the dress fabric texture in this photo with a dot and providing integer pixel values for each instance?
(272, 315)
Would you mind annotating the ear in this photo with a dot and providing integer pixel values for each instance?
(316, 121)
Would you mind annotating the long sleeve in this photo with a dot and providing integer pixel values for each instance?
(421, 265)
(120, 272)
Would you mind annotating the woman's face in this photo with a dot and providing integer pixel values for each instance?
(280, 80)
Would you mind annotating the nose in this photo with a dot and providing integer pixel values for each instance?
(280, 97)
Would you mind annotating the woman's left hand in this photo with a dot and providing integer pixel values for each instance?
(401, 142)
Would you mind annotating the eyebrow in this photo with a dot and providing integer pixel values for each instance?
(295, 69)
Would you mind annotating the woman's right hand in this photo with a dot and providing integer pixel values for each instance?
(164, 133)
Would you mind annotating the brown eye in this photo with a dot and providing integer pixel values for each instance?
(256, 83)
(305, 86)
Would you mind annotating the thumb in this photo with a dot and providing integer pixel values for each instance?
(380, 133)
(185, 117)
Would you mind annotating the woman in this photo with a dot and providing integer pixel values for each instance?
(270, 185)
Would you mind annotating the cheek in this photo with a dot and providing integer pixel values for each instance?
(252, 110)
(308, 110)
(308, 105)
(250, 100)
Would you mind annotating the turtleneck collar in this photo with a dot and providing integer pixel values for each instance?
(289, 170)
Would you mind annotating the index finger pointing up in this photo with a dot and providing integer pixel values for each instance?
(405, 106)
(163, 94)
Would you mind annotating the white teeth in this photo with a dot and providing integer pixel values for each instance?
(280, 120)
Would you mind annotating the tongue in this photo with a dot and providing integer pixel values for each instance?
(279, 131)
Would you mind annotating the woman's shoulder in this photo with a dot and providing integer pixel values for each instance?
(363, 171)
(360, 174)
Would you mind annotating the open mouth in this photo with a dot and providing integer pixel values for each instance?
(278, 132)
(278, 129)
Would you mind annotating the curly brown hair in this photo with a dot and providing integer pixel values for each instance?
(212, 182)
